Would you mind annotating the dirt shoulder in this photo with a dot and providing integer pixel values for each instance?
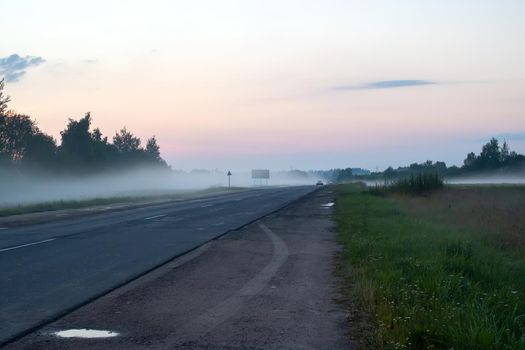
(269, 285)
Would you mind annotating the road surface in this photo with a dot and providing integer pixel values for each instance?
(270, 285)
(51, 268)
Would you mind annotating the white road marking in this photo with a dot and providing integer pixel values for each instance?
(3, 228)
(155, 217)
(206, 205)
(27, 245)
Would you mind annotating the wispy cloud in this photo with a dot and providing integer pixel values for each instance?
(385, 84)
(13, 67)
(515, 136)
(511, 136)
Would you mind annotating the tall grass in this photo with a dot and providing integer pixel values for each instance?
(415, 184)
(429, 286)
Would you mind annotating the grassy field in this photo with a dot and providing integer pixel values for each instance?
(441, 271)
(84, 203)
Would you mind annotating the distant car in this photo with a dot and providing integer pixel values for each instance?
(319, 183)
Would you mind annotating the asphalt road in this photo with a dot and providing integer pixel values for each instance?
(48, 269)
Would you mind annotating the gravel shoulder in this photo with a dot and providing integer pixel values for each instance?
(269, 285)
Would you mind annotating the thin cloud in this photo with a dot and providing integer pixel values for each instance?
(13, 67)
(385, 84)
(511, 136)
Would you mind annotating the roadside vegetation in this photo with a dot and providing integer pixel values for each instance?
(414, 184)
(59, 205)
(92, 202)
(24, 147)
(440, 271)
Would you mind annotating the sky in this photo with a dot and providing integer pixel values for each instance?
(275, 84)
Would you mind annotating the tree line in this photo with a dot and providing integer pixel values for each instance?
(493, 157)
(24, 146)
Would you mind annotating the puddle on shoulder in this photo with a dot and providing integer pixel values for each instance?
(85, 333)
(327, 205)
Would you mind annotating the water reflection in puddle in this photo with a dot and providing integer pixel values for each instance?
(327, 205)
(85, 333)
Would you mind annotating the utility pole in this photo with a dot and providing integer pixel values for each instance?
(229, 176)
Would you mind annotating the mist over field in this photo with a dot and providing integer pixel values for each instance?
(18, 188)
(515, 178)
(86, 164)
(489, 179)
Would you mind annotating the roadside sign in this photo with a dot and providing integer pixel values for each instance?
(260, 175)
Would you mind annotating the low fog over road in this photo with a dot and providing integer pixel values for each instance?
(23, 188)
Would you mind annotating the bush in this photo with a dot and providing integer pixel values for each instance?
(415, 184)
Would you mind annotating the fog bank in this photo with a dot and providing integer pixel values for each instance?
(18, 188)
(516, 178)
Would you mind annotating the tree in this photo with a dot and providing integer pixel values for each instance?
(389, 173)
(126, 142)
(490, 154)
(504, 152)
(15, 133)
(40, 151)
(153, 149)
(22, 141)
(344, 175)
(470, 161)
(76, 146)
(440, 167)
(4, 99)
(493, 156)
(104, 153)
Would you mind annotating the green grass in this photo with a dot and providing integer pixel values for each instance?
(428, 285)
(84, 203)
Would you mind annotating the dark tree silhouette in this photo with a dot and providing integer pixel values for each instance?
(153, 149)
(470, 161)
(4, 99)
(16, 131)
(126, 142)
(76, 147)
(493, 156)
(22, 144)
(504, 153)
(490, 154)
(344, 175)
(41, 151)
